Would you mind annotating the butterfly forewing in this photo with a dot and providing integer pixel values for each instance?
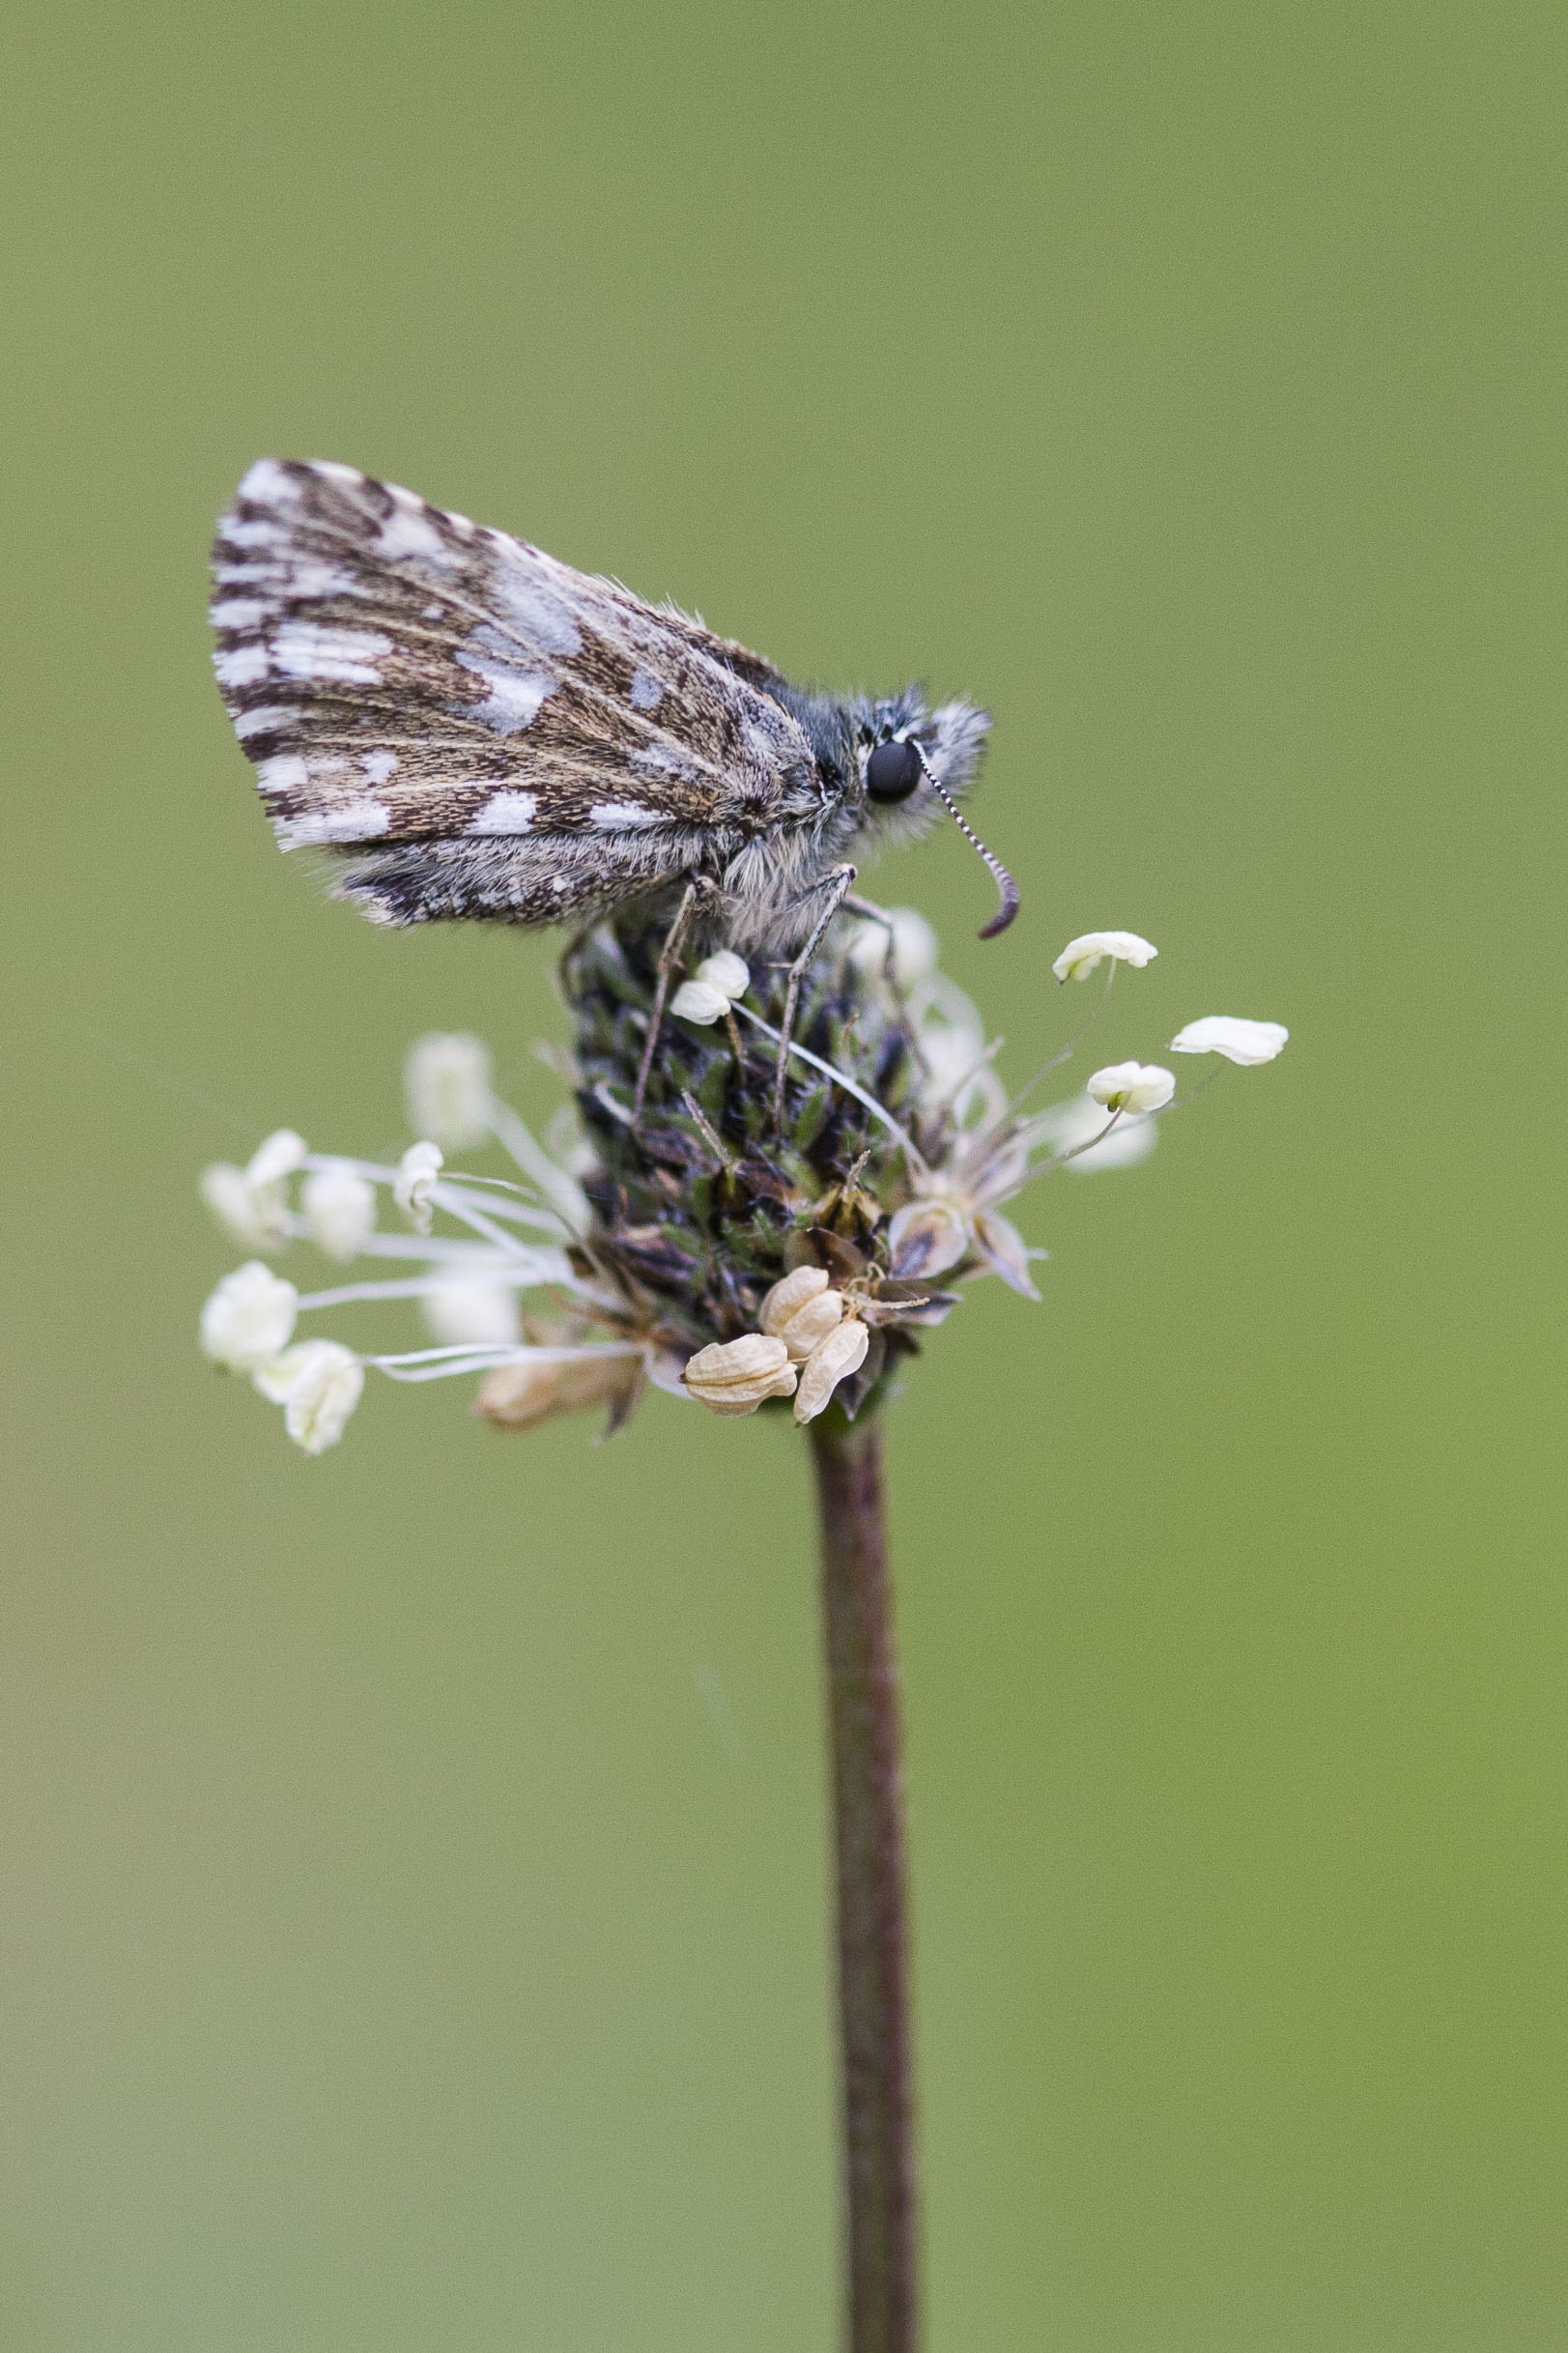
(400, 676)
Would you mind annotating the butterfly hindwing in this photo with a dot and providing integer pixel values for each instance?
(402, 677)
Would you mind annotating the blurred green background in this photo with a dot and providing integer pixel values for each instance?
(413, 1932)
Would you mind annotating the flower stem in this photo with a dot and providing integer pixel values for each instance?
(874, 2003)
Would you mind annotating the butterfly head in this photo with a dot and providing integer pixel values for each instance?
(914, 762)
(904, 746)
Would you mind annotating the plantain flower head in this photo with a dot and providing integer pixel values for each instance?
(687, 1241)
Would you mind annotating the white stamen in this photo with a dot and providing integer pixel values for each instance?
(223, 1188)
(340, 1210)
(318, 1384)
(416, 1174)
(719, 981)
(447, 1087)
(250, 1201)
(1223, 1033)
(278, 1157)
(696, 1002)
(725, 971)
(1080, 956)
(1132, 1086)
(561, 1189)
(913, 942)
(483, 1315)
(249, 1317)
(1068, 1126)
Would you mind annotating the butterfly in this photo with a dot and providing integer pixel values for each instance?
(474, 731)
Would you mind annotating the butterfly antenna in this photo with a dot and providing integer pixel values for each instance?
(1006, 889)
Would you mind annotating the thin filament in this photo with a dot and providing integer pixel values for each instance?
(1006, 889)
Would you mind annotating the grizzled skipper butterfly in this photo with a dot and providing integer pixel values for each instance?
(474, 729)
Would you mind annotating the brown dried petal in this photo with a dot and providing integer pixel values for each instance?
(519, 1396)
(734, 1376)
(904, 1303)
(812, 1322)
(651, 1251)
(849, 1211)
(852, 1394)
(845, 1264)
(831, 1361)
(1005, 1252)
(925, 1238)
(785, 1297)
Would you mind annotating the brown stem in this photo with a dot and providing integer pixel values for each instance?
(874, 2002)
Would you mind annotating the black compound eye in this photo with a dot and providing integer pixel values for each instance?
(893, 772)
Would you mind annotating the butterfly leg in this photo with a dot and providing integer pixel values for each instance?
(669, 959)
(835, 890)
(870, 913)
(852, 904)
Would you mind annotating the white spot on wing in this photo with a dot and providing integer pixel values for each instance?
(239, 611)
(410, 532)
(348, 477)
(307, 579)
(646, 693)
(505, 813)
(264, 719)
(760, 742)
(262, 532)
(663, 764)
(285, 772)
(304, 649)
(268, 484)
(379, 765)
(539, 612)
(349, 821)
(613, 816)
(244, 666)
(514, 697)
